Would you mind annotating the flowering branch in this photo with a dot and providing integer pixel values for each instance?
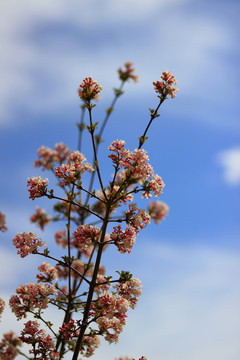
(88, 296)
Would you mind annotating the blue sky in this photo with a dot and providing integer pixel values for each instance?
(189, 264)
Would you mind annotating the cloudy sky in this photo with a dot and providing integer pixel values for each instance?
(190, 264)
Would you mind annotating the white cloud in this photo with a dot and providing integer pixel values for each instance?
(189, 308)
(43, 75)
(230, 161)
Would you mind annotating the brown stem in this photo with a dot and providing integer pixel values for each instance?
(91, 287)
(63, 264)
(67, 316)
(153, 116)
(95, 151)
(108, 113)
(81, 128)
(74, 203)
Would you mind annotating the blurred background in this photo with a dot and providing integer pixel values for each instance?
(189, 264)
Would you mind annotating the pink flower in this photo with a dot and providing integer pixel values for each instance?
(124, 240)
(43, 344)
(73, 169)
(62, 271)
(40, 218)
(2, 305)
(112, 311)
(101, 270)
(2, 222)
(157, 185)
(166, 86)
(47, 156)
(62, 293)
(85, 235)
(38, 187)
(89, 89)
(128, 72)
(50, 273)
(68, 330)
(130, 290)
(61, 238)
(61, 152)
(137, 218)
(90, 343)
(27, 243)
(101, 289)
(30, 297)
(80, 267)
(8, 346)
(158, 210)
(135, 163)
(100, 207)
(120, 151)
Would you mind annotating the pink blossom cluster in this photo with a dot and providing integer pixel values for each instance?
(158, 210)
(61, 238)
(130, 290)
(85, 236)
(79, 266)
(48, 273)
(137, 218)
(89, 89)
(73, 169)
(40, 218)
(69, 331)
(62, 293)
(127, 73)
(137, 164)
(122, 197)
(43, 344)
(124, 240)
(119, 152)
(47, 156)
(2, 305)
(27, 243)
(101, 289)
(2, 222)
(65, 205)
(29, 297)
(8, 346)
(89, 345)
(166, 86)
(38, 187)
(62, 271)
(111, 312)
(155, 185)
(136, 168)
